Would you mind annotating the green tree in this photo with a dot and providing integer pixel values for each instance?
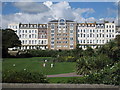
(118, 40)
(89, 52)
(9, 40)
(111, 49)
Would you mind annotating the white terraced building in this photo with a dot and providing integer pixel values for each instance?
(35, 36)
(32, 36)
(95, 34)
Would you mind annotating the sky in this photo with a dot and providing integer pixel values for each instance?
(43, 12)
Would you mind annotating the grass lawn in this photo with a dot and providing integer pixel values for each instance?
(59, 79)
(35, 64)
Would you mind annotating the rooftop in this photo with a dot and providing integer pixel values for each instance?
(57, 21)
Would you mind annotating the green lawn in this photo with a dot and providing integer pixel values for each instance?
(35, 64)
(59, 79)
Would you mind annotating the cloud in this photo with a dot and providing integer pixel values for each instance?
(31, 7)
(44, 12)
(48, 3)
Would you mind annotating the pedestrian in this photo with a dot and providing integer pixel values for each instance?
(13, 65)
(45, 60)
(52, 65)
(44, 64)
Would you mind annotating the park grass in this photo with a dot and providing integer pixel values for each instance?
(35, 64)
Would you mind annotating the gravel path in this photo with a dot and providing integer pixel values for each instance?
(65, 75)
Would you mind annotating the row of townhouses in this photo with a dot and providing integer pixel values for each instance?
(64, 34)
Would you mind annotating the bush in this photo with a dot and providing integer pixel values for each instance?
(77, 80)
(25, 55)
(23, 77)
(42, 53)
(66, 59)
(108, 75)
(87, 65)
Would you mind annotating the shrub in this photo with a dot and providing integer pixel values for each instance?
(43, 53)
(77, 80)
(66, 59)
(108, 75)
(23, 77)
(25, 55)
(87, 65)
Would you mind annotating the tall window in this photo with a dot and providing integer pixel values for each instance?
(112, 26)
(29, 36)
(52, 31)
(71, 38)
(52, 26)
(97, 35)
(84, 30)
(107, 26)
(103, 35)
(29, 41)
(91, 35)
(52, 35)
(29, 31)
(71, 31)
(84, 35)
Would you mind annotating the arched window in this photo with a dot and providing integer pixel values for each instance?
(62, 22)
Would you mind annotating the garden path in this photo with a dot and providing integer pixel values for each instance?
(65, 75)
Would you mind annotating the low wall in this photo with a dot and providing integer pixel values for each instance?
(34, 85)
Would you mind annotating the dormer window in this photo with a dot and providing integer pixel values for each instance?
(35, 26)
(31, 26)
(98, 26)
(92, 24)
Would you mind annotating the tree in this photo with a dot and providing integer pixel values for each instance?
(111, 49)
(9, 40)
(118, 40)
(89, 51)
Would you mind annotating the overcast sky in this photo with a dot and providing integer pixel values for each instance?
(42, 12)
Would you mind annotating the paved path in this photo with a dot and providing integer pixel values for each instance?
(65, 75)
(67, 86)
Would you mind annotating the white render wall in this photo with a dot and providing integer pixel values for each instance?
(29, 38)
(14, 27)
(96, 36)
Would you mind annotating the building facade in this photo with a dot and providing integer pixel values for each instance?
(95, 34)
(32, 36)
(64, 34)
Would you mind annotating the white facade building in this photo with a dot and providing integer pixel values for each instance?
(95, 34)
(29, 36)
(36, 36)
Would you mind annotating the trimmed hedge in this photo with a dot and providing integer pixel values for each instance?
(23, 77)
